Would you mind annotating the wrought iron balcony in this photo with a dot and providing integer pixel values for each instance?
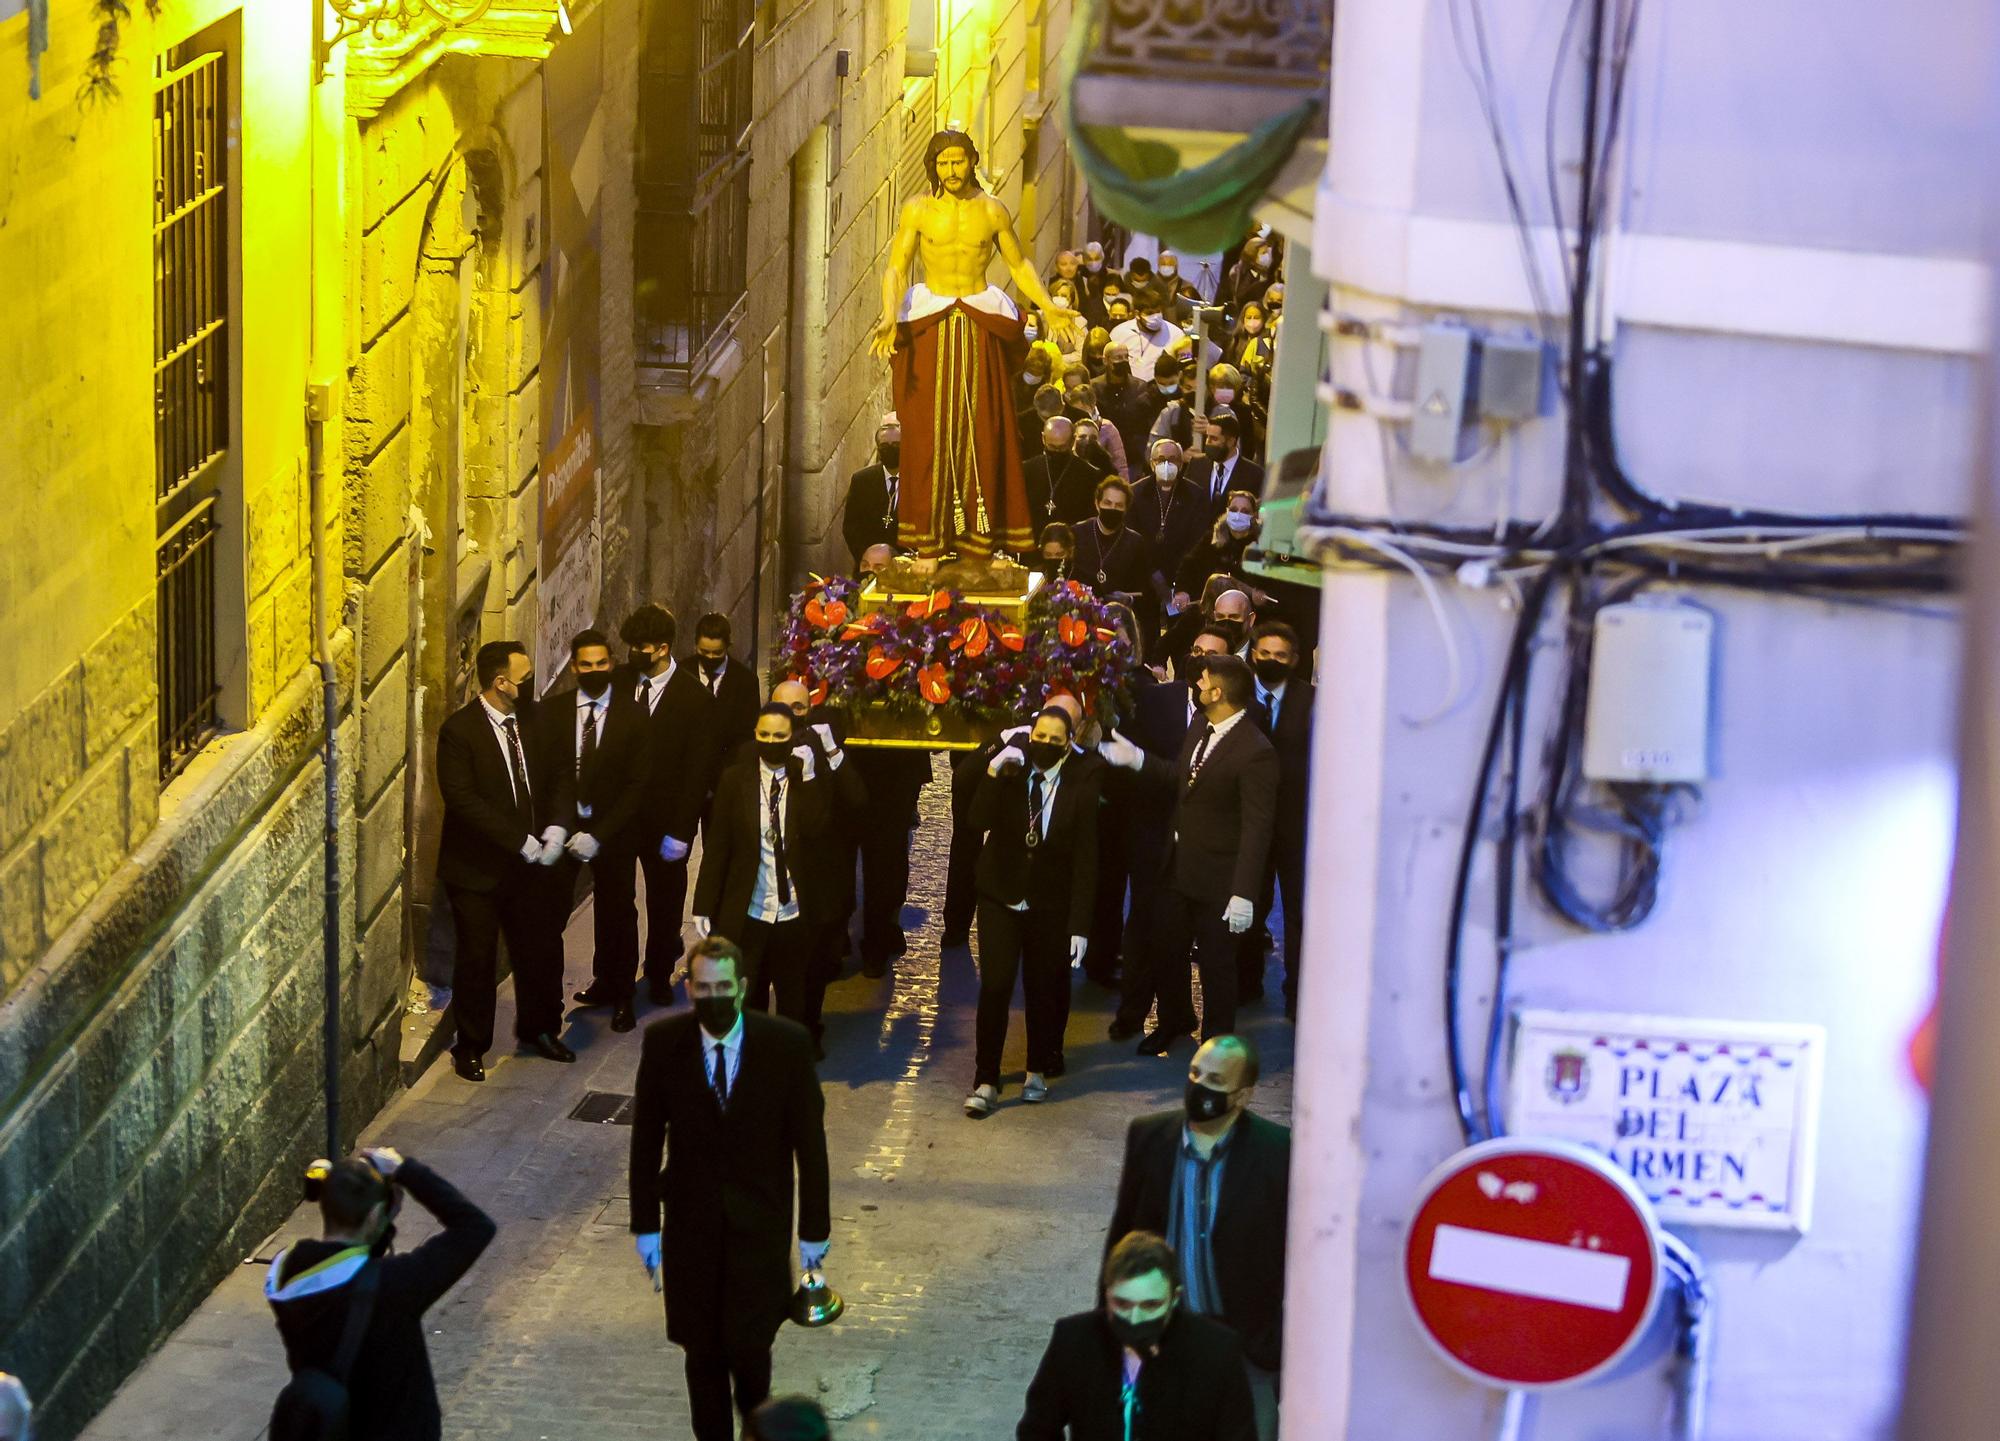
(1221, 65)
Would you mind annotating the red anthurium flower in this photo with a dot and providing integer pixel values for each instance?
(1074, 632)
(819, 693)
(824, 615)
(1012, 638)
(882, 665)
(924, 609)
(972, 637)
(858, 630)
(934, 684)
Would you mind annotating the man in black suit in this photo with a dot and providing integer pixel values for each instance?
(732, 1098)
(1161, 720)
(674, 709)
(509, 804)
(847, 804)
(765, 880)
(1036, 812)
(1142, 1365)
(1225, 784)
(1221, 466)
(1284, 710)
(1060, 483)
(599, 732)
(1213, 1177)
(869, 517)
(731, 690)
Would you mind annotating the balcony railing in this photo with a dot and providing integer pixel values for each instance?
(1204, 64)
(185, 663)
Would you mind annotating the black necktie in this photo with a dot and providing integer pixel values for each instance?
(1200, 751)
(778, 844)
(591, 724)
(517, 766)
(1266, 715)
(720, 1081)
(1034, 808)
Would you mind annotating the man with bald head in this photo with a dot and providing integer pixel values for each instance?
(1061, 483)
(1212, 1177)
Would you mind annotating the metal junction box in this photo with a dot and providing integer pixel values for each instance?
(1647, 718)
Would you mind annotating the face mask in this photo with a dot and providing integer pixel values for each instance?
(1224, 396)
(1043, 754)
(1119, 317)
(1028, 377)
(717, 1014)
(524, 689)
(1121, 369)
(1264, 259)
(594, 683)
(774, 753)
(1111, 519)
(1168, 387)
(711, 663)
(1271, 672)
(1054, 562)
(1139, 1335)
(1149, 322)
(1192, 664)
(1205, 1103)
(1232, 630)
(1169, 271)
(1093, 266)
(890, 453)
(1238, 521)
(1252, 325)
(1029, 332)
(1166, 470)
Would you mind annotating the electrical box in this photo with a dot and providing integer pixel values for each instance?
(1510, 377)
(1647, 714)
(1444, 364)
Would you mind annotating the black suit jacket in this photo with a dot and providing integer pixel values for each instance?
(614, 783)
(1193, 1389)
(733, 846)
(1062, 486)
(868, 519)
(1057, 877)
(1247, 1243)
(678, 765)
(726, 1193)
(729, 717)
(1221, 823)
(480, 846)
(1292, 739)
(1187, 522)
(1244, 475)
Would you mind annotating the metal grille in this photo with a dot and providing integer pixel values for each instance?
(190, 284)
(190, 389)
(690, 255)
(1280, 42)
(185, 662)
(919, 124)
(603, 1108)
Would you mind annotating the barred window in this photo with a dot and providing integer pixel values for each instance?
(691, 250)
(190, 387)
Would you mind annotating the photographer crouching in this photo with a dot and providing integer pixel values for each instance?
(351, 1313)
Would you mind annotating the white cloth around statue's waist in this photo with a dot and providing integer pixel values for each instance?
(922, 301)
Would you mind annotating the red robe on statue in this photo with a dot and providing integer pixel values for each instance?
(952, 373)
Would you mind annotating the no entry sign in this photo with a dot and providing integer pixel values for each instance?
(1531, 1264)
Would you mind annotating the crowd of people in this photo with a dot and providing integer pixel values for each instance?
(1139, 855)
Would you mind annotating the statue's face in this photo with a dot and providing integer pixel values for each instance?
(954, 168)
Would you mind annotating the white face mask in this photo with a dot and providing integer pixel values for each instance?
(1224, 396)
(1062, 302)
(1149, 322)
(1029, 332)
(1168, 387)
(1166, 470)
(1237, 520)
(1093, 266)
(1169, 271)
(1264, 258)
(1028, 377)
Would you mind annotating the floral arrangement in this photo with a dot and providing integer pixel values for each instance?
(942, 653)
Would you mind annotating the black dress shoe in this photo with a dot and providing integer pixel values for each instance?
(1157, 1043)
(1125, 1030)
(661, 992)
(622, 1019)
(591, 996)
(547, 1045)
(469, 1068)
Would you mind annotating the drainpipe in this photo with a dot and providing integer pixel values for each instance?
(319, 407)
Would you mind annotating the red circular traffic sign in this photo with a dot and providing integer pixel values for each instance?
(1532, 1263)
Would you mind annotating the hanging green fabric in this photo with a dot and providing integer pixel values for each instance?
(1141, 183)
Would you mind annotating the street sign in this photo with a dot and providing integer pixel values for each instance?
(1532, 1264)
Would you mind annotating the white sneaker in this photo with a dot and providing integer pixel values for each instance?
(981, 1102)
(1035, 1088)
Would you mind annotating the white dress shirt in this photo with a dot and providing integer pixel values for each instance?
(1218, 479)
(652, 687)
(1145, 346)
(764, 904)
(732, 1054)
(499, 724)
(1051, 778)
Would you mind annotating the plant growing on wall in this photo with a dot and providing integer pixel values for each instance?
(100, 81)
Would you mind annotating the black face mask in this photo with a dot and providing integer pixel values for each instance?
(594, 683)
(717, 1014)
(1232, 629)
(1055, 562)
(1192, 665)
(1111, 519)
(1120, 369)
(524, 690)
(890, 453)
(1205, 1103)
(1139, 1335)
(1271, 672)
(1043, 754)
(711, 663)
(774, 753)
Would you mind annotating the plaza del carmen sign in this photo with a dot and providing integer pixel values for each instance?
(1532, 1264)
(1716, 1121)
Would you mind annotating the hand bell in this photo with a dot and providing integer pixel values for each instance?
(815, 1303)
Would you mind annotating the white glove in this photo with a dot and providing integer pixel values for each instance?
(583, 845)
(1118, 751)
(1009, 758)
(1016, 735)
(1237, 913)
(701, 926)
(531, 851)
(834, 755)
(552, 845)
(806, 767)
(672, 849)
(812, 1254)
(1077, 946)
(649, 1255)
(385, 1159)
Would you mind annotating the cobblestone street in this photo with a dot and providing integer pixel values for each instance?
(955, 1242)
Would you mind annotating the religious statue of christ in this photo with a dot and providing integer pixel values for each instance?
(954, 342)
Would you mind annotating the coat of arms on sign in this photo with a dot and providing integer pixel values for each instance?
(1568, 1076)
